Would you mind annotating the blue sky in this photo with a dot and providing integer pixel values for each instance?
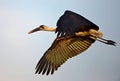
(20, 52)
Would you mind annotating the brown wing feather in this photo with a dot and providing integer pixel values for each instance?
(60, 51)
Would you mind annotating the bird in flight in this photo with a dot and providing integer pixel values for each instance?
(75, 34)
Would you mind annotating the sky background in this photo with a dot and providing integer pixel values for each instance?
(20, 52)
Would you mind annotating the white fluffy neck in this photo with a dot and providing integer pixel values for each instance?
(51, 29)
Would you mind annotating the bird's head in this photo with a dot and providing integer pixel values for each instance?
(40, 28)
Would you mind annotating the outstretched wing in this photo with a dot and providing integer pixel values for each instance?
(60, 51)
(70, 23)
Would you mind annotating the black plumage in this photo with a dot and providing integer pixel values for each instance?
(71, 22)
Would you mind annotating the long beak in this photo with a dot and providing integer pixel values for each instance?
(34, 30)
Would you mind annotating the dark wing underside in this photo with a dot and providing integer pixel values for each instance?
(70, 23)
(60, 51)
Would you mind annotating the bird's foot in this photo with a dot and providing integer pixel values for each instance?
(110, 42)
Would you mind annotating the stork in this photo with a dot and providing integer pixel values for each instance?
(75, 34)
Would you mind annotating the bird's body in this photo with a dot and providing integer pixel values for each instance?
(75, 34)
